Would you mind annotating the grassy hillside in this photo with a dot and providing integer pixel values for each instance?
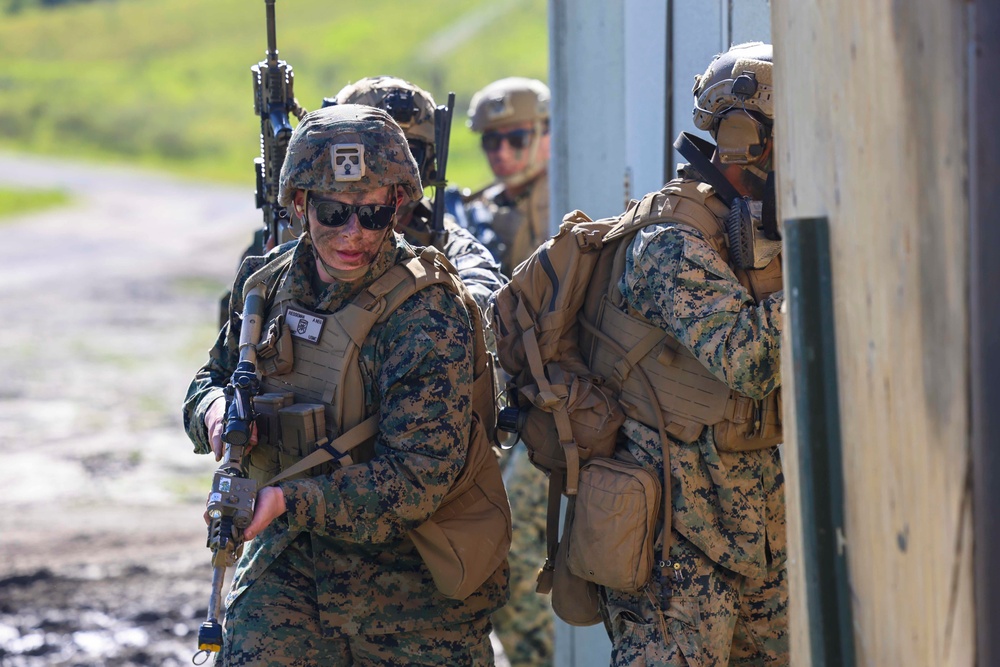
(167, 83)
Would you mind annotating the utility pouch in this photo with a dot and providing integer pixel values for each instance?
(274, 352)
(302, 425)
(574, 600)
(760, 429)
(468, 537)
(614, 526)
(267, 406)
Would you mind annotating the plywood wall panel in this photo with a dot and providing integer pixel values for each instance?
(871, 133)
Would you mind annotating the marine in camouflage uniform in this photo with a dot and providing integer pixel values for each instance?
(511, 216)
(724, 601)
(413, 110)
(328, 575)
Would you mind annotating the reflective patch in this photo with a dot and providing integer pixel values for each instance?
(215, 498)
(304, 325)
(348, 161)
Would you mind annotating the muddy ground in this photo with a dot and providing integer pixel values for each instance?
(109, 306)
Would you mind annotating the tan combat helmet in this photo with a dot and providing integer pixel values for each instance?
(348, 148)
(410, 106)
(734, 100)
(513, 100)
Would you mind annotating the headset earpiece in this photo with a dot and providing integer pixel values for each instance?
(745, 86)
(740, 137)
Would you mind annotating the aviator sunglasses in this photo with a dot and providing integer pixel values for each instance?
(375, 217)
(517, 139)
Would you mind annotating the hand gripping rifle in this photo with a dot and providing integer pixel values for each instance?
(273, 101)
(231, 503)
(442, 139)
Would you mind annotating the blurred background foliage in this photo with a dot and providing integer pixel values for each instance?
(166, 83)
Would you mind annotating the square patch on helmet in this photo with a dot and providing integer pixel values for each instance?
(348, 161)
(499, 107)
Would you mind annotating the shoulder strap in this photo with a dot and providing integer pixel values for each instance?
(699, 153)
(270, 273)
(681, 202)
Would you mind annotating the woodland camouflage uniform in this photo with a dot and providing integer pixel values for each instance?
(728, 508)
(336, 580)
(726, 599)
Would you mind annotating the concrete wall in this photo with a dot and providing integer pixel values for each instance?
(871, 133)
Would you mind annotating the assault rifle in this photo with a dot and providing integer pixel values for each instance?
(273, 101)
(442, 139)
(231, 502)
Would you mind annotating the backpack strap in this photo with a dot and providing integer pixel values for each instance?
(664, 440)
(546, 576)
(549, 400)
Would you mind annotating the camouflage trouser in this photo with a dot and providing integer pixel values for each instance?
(713, 618)
(275, 623)
(525, 625)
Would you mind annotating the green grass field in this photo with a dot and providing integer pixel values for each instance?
(22, 201)
(166, 83)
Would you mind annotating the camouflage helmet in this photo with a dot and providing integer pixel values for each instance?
(740, 78)
(410, 106)
(347, 148)
(511, 100)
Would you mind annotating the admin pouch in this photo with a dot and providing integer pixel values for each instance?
(580, 362)
(613, 530)
(468, 537)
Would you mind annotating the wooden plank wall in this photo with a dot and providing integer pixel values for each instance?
(871, 132)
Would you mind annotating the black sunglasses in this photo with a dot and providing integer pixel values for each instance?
(375, 217)
(517, 139)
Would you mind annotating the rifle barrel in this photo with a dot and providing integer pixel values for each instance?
(272, 39)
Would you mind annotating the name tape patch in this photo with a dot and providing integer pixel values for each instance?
(304, 325)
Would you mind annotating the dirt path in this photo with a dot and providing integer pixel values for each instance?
(109, 307)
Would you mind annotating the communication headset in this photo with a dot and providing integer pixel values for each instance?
(741, 137)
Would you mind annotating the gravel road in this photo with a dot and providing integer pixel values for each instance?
(110, 306)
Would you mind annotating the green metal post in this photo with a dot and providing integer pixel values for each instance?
(817, 416)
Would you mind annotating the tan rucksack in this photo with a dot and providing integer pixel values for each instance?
(570, 381)
(568, 415)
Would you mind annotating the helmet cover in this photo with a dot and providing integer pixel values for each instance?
(348, 148)
(740, 78)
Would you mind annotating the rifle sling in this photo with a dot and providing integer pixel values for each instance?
(339, 447)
